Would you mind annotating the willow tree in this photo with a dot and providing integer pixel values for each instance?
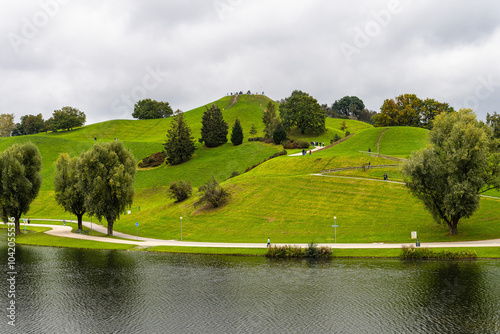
(20, 181)
(460, 163)
(70, 193)
(107, 173)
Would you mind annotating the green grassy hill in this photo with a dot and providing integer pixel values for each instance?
(280, 198)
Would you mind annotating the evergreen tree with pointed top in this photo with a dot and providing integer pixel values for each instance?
(237, 133)
(180, 144)
(214, 128)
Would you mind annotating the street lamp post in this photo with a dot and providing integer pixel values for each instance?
(335, 226)
(181, 228)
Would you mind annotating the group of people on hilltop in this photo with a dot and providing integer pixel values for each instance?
(248, 92)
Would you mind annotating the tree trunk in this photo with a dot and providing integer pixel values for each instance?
(17, 225)
(453, 226)
(80, 221)
(110, 227)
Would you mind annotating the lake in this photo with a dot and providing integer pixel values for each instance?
(90, 291)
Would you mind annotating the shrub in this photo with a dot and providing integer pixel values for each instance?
(153, 160)
(412, 253)
(336, 138)
(312, 250)
(179, 190)
(235, 173)
(268, 141)
(213, 194)
(288, 251)
(294, 143)
(257, 139)
(347, 133)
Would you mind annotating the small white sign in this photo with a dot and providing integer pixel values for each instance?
(414, 234)
(129, 212)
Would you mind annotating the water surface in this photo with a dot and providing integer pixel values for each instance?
(89, 291)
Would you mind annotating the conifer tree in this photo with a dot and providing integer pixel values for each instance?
(253, 130)
(237, 133)
(180, 144)
(279, 134)
(214, 128)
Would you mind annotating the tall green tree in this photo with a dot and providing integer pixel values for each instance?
(409, 110)
(459, 164)
(107, 173)
(494, 122)
(70, 193)
(237, 133)
(6, 124)
(303, 111)
(180, 144)
(30, 124)
(151, 109)
(348, 106)
(20, 180)
(66, 118)
(429, 109)
(214, 127)
(270, 119)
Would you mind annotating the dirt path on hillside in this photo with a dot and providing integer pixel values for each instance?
(235, 99)
(379, 138)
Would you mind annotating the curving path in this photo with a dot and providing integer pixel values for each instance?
(65, 231)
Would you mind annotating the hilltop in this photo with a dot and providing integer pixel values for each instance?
(280, 198)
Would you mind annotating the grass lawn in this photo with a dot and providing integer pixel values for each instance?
(36, 237)
(279, 198)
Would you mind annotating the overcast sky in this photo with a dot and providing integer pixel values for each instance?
(103, 56)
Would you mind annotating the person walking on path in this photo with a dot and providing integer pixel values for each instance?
(310, 152)
(268, 242)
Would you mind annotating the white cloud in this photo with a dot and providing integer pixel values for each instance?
(91, 54)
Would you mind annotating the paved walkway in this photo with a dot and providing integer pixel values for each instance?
(316, 148)
(65, 231)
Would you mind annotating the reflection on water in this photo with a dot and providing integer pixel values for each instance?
(88, 291)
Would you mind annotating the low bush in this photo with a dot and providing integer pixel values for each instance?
(335, 138)
(286, 251)
(289, 251)
(179, 190)
(294, 143)
(413, 253)
(347, 133)
(257, 139)
(211, 192)
(153, 160)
